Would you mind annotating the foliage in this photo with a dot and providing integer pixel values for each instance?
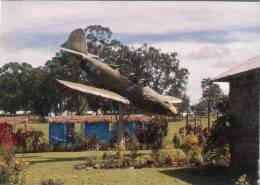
(11, 168)
(200, 108)
(21, 139)
(133, 146)
(243, 180)
(184, 105)
(196, 157)
(30, 141)
(52, 182)
(6, 137)
(211, 92)
(153, 134)
(34, 138)
(217, 147)
(191, 139)
(168, 157)
(23, 87)
(177, 140)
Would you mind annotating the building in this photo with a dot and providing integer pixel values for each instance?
(244, 94)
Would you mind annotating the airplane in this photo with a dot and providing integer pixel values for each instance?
(109, 83)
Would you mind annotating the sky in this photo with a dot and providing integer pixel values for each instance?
(209, 37)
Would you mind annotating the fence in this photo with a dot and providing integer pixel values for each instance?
(201, 118)
(103, 129)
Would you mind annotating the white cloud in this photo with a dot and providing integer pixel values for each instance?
(201, 58)
(33, 56)
(128, 17)
(207, 60)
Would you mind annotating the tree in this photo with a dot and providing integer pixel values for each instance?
(184, 106)
(36, 97)
(211, 93)
(36, 89)
(12, 78)
(65, 67)
(200, 107)
(145, 65)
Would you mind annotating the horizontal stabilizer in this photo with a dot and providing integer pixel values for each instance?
(95, 91)
(86, 55)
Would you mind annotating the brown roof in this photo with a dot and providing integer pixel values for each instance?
(249, 65)
(96, 118)
(18, 119)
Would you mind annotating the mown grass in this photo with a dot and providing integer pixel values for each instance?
(64, 165)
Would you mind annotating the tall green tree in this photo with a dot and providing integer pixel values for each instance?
(211, 93)
(12, 78)
(147, 65)
(36, 89)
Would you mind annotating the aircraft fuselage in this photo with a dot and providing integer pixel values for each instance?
(103, 76)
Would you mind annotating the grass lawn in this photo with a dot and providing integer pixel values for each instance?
(62, 165)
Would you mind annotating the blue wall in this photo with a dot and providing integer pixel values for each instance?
(103, 130)
(58, 132)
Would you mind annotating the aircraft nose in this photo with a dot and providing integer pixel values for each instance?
(172, 111)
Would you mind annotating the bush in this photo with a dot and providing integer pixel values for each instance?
(177, 141)
(190, 143)
(11, 168)
(196, 157)
(21, 139)
(243, 180)
(217, 148)
(35, 138)
(52, 182)
(143, 161)
(191, 139)
(167, 157)
(6, 137)
(30, 141)
(154, 134)
(133, 146)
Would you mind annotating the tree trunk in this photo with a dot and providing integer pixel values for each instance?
(195, 119)
(187, 117)
(120, 132)
(209, 115)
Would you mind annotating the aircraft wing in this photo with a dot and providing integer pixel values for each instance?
(95, 91)
(172, 99)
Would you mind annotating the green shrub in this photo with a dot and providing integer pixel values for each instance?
(11, 168)
(243, 180)
(143, 161)
(167, 157)
(154, 134)
(177, 140)
(196, 157)
(133, 146)
(52, 182)
(216, 151)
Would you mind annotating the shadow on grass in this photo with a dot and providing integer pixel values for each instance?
(60, 159)
(196, 176)
(28, 157)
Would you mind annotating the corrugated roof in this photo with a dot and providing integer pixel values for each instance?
(96, 118)
(249, 65)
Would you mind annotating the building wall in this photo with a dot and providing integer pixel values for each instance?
(244, 102)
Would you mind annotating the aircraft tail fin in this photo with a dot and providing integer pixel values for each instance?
(77, 41)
